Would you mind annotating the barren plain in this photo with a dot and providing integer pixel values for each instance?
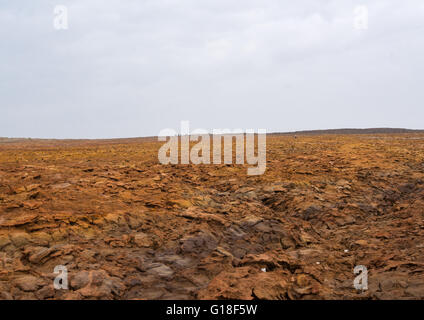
(128, 227)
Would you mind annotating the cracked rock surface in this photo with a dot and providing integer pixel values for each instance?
(127, 227)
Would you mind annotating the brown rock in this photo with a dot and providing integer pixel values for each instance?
(20, 239)
(143, 240)
(28, 283)
(80, 280)
(45, 292)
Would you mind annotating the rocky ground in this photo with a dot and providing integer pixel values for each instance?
(127, 227)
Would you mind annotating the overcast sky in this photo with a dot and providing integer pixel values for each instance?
(130, 68)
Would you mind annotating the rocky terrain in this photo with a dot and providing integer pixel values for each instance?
(127, 227)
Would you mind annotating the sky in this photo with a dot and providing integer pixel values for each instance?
(131, 68)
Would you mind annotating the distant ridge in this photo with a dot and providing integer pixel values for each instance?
(5, 140)
(351, 131)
